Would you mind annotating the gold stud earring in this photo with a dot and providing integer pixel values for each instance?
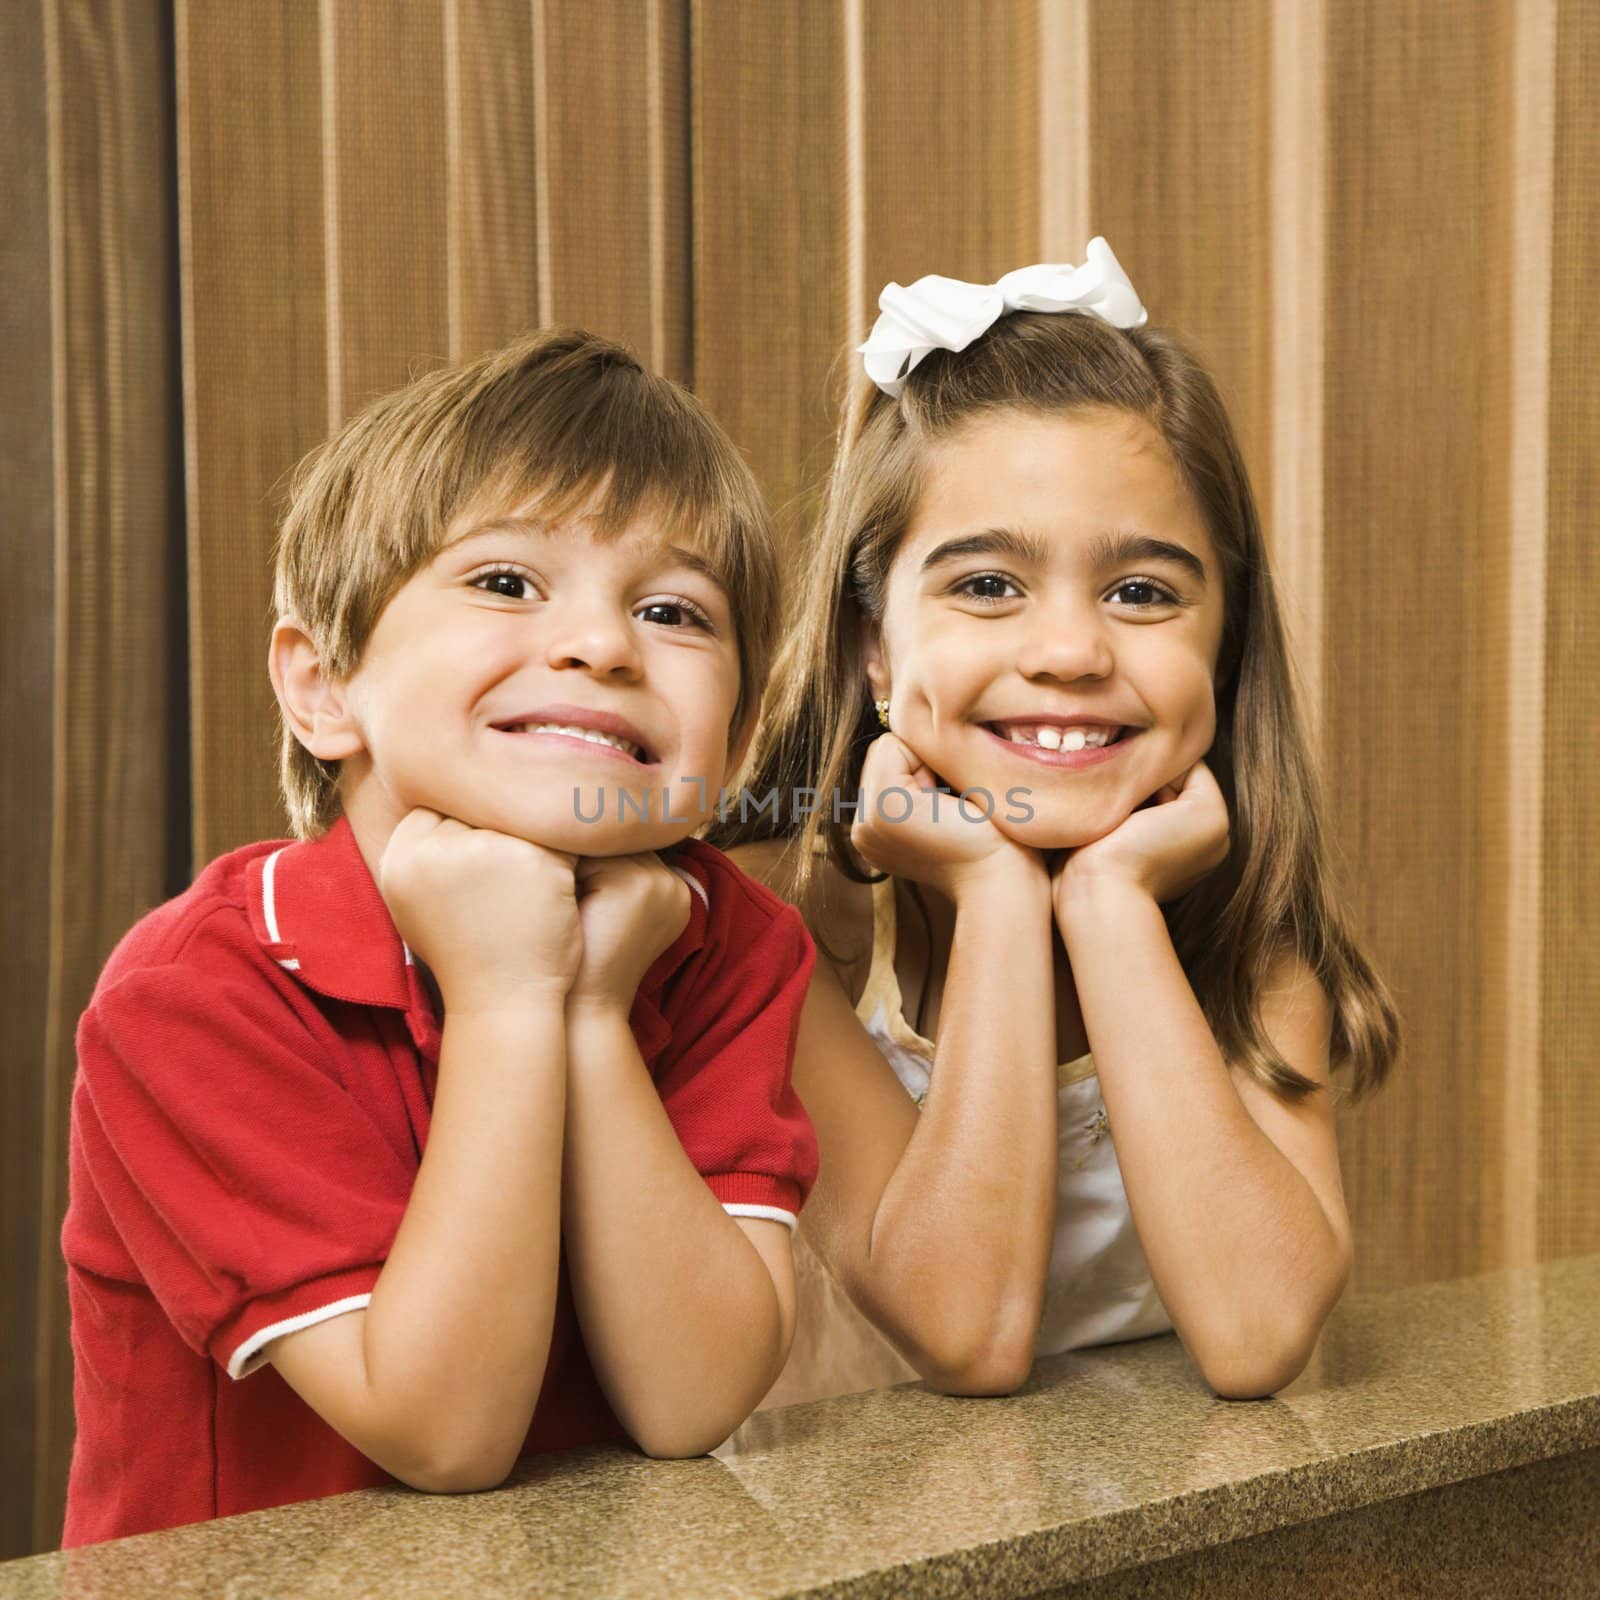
(882, 708)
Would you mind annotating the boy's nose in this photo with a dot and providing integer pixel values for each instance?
(589, 638)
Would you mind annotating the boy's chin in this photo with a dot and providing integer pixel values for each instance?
(601, 837)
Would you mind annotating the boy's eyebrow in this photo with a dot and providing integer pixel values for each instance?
(675, 554)
(1110, 549)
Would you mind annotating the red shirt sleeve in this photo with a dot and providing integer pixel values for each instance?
(248, 1186)
(725, 1075)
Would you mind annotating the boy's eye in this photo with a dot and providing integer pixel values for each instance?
(504, 582)
(674, 612)
(1159, 594)
(983, 586)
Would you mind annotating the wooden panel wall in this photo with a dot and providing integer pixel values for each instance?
(1377, 220)
(27, 632)
(101, 688)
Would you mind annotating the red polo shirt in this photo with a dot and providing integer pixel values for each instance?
(255, 1073)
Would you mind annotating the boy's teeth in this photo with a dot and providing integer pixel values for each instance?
(590, 734)
(1050, 736)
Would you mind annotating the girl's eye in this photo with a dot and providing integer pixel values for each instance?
(677, 609)
(503, 581)
(991, 582)
(1162, 595)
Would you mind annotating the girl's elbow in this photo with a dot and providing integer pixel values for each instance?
(1257, 1368)
(992, 1373)
(992, 1363)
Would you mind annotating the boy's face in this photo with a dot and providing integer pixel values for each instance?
(485, 666)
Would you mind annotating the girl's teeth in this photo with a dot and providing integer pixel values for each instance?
(1050, 737)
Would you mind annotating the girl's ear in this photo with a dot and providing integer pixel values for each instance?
(872, 655)
(315, 706)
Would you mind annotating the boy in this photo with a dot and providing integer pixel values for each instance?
(378, 1118)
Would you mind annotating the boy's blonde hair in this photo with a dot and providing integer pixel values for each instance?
(1275, 893)
(565, 419)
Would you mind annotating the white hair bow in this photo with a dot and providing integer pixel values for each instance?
(948, 314)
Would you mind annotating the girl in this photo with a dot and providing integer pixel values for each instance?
(1041, 570)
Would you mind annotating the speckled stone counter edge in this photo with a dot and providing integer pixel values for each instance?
(1014, 1568)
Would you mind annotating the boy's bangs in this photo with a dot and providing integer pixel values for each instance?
(690, 504)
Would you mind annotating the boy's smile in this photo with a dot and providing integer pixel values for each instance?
(1052, 621)
(550, 682)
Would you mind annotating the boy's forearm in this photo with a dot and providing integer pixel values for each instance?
(1238, 1244)
(458, 1330)
(680, 1314)
(961, 1240)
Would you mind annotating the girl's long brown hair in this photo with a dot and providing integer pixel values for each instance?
(1275, 892)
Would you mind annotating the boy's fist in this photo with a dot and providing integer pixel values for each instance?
(495, 918)
(632, 908)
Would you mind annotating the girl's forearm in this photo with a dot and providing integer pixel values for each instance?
(1240, 1249)
(680, 1314)
(960, 1243)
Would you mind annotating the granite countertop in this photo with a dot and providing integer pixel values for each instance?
(1109, 1458)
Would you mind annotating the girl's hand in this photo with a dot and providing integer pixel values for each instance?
(632, 908)
(1165, 848)
(939, 843)
(494, 918)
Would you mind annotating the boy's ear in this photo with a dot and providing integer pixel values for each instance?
(872, 656)
(314, 705)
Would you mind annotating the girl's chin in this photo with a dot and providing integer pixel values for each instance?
(1055, 832)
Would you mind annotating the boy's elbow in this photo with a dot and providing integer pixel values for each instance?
(458, 1474)
(440, 1460)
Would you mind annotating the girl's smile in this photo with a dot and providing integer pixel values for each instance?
(1054, 612)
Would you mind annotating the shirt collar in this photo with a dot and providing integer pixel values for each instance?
(317, 911)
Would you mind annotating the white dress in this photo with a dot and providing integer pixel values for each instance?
(1099, 1289)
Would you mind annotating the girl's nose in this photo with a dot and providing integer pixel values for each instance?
(1065, 646)
(593, 637)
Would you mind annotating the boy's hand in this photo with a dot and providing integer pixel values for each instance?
(940, 842)
(495, 918)
(632, 908)
(1165, 848)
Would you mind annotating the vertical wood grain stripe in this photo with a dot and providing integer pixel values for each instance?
(263, 353)
(118, 610)
(491, 179)
(1299, 262)
(1533, 160)
(541, 168)
(1417, 406)
(859, 296)
(1064, 143)
(769, 174)
(328, 39)
(453, 199)
(27, 633)
(1569, 1019)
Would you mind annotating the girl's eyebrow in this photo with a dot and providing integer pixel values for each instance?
(1109, 550)
(1113, 549)
(1024, 548)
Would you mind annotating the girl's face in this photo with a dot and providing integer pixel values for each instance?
(1056, 569)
